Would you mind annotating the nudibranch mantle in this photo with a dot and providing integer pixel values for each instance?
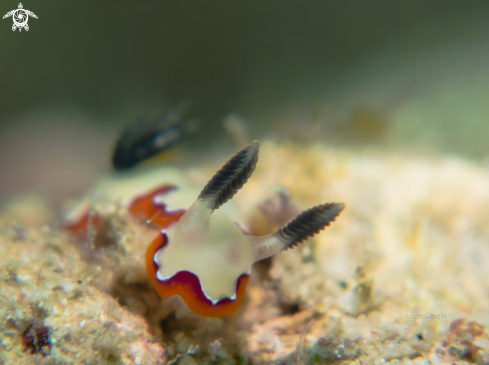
(218, 254)
(125, 188)
(189, 288)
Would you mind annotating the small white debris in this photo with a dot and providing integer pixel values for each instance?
(7, 344)
(82, 323)
(19, 314)
(172, 209)
(68, 287)
(137, 360)
(64, 302)
(23, 278)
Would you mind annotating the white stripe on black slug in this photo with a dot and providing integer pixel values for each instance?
(147, 137)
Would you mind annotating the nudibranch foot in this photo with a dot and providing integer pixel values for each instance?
(206, 259)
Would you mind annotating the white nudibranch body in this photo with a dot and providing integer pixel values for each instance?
(206, 258)
(200, 254)
(218, 253)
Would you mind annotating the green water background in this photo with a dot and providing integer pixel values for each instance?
(412, 74)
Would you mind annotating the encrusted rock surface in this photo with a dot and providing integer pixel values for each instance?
(400, 277)
(51, 283)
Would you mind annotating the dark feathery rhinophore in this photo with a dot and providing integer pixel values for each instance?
(232, 176)
(309, 223)
(147, 137)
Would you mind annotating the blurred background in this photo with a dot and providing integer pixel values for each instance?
(388, 74)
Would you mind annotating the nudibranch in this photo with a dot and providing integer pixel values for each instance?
(148, 137)
(202, 254)
(206, 258)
